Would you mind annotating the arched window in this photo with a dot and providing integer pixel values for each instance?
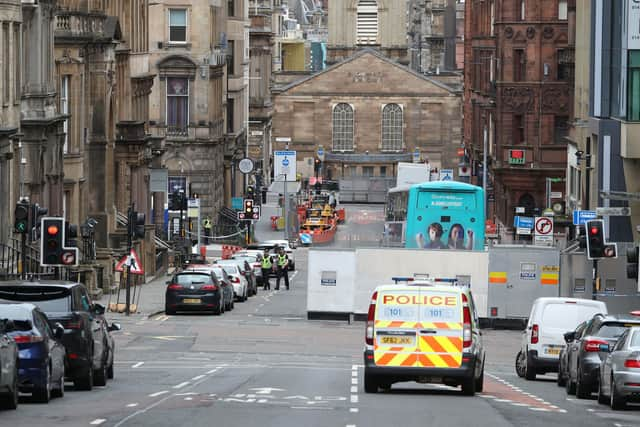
(342, 127)
(391, 127)
(367, 28)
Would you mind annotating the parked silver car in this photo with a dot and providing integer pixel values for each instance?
(620, 371)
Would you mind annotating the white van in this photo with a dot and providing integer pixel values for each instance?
(543, 339)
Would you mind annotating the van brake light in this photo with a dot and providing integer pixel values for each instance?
(370, 319)
(535, 334)
(466, 325)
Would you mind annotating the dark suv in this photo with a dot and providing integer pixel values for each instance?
(588, 346)
(87, 337)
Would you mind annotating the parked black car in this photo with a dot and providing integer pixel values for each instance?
(586, 351)
(8, 366)
(41, 352)
(194, 291)
(87, 336)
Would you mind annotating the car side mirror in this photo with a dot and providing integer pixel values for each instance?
(168, 282)
(58, 331)
(115, 327)
(569, 336)
(98, 308)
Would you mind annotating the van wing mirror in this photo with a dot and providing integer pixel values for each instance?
(98, 309)
(115, 327)
(58, 331)
(569, 336)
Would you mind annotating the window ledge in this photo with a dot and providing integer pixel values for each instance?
(184, 45)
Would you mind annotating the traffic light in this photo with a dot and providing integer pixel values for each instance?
(632, 262)
(52, 241)
(316, 166)
(139, 219)
(595, 239)
(249, 210)
(70, 235)
(21, 224)
(250, 192)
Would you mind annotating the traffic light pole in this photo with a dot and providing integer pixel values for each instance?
(127, 308)
(594, 281)
(23, 256)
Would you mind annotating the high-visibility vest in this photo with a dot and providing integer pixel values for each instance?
(282, 260)
(266, 262)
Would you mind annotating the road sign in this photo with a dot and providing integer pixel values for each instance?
(245, 165)
(556, 194)
(523, 224)
(615, 211)
(446, 174)
(133, 260)
(193, 208)
(580, 217)
(283, 139)
(70, 256)
(416, 156)
(543, 228)
(284, 164)
(320, 153)
(236, 203)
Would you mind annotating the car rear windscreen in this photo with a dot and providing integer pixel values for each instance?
(566, 317)
(635, 340)
(189, 279)
(613, 329)
(231, 269)
(49, 299)
(15, 313)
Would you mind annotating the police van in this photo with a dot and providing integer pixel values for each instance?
(423, 331)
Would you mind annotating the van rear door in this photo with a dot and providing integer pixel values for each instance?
(440, 332)
(396, 327)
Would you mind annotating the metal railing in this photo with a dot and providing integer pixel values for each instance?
(12, 268)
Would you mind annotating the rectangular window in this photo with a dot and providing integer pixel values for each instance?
(562, 10)
(177, 105)
(522, 10)
(633, 99)
(518, 129)
(383, 171)
(230, 107)
(562, 65)
(17, 82)
(367, 171)
(231, 57)
(64, 109)
(560, 129)
(519, 65)
(231, 8)
(7, 60)
(178, 25)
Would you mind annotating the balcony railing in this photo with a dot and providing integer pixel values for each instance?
(181, 130)
(76, 24)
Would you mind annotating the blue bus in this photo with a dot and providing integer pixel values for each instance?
(445, 215)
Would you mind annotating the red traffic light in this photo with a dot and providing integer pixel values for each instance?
(594, 230)
(52, 230)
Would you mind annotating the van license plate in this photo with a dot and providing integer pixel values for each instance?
(554, 351)
(192, 300)
(396, 340)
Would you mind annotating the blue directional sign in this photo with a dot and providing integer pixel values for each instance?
(523, 222)
(285, 162)
(320, 151)
(581, 217)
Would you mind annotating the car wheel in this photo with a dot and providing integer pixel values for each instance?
(59, 390)
(480, 382)
(520, 364)
(469, 386)
(110, 374)
(100, 375)
(602, 398)
(43, 394)
(583, 391)
(10, 400)
(529, 370)
(370, 384)
(385, 386)
(617, 402)
(85, 382)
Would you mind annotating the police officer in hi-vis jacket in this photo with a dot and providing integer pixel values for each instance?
(282, 261)
(267, 266)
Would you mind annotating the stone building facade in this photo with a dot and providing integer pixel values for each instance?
(187, 59)
(10, 94)
(354, 24)
(368, 113)
(518, 90)
(432, 33)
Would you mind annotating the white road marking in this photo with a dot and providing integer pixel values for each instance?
(188, 398)
(97, 422)
(354, 380)
(189, 393)
(354, 410)
(132, 405)
(354, 373)
(181, 384)
(137, 365)
(160, 393)
(198, 377)
(519, 404)
(504, 400)
(354, 389)
(540, 409)
(212, 371)
(354, 398)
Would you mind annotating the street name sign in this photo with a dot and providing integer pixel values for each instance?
(580, 217)
(613, 211)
